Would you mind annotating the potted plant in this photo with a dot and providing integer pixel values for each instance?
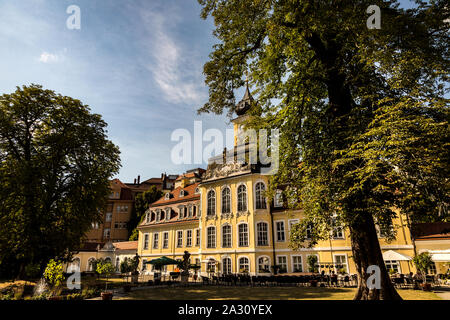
(106, 269)
(423, 262)
(54, 275)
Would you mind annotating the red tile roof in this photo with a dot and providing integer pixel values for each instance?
(189, 194)
(126, 245)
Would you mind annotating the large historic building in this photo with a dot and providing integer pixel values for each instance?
(171, 224)
(223, 219)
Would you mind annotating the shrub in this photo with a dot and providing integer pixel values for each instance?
(54, 273)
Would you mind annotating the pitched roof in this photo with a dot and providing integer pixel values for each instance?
(119, 183)
(189, 194)
(431, 231)
(126, 245)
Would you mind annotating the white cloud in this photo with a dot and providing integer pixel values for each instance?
(47, 57)
(175, 69)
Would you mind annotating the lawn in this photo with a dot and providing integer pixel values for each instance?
(260, 293)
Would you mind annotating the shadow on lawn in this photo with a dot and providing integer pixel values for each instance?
(243, 293)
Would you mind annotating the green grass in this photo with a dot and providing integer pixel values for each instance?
(260, 293)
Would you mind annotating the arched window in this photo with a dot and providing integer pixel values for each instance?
(262, 234)
(242, 198)
(226, 265)
(226, 236)
(91, 264)
(263, 265)
(74, 265)
(243, 235)
(211, 237)
(211, 208)
(118, 264)
(226, 200)
(259, 195)
(244, 265)
(211, 266)
(107, 260)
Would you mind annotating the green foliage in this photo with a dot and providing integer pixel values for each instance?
(55, 166)
(312, 263)
(32, 271)
(54, 273)
(106, 269)
(141, 204)
(423, 262)
(130, 265)
(355, 108)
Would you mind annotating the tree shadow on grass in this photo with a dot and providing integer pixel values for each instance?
(243, 293)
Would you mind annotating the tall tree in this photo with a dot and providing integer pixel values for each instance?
(325, 80)
(141, 204)
(55, 166)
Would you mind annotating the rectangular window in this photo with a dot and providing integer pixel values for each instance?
(188, 238)
(281, 236)
(179, 239)
(282, 264)
(243, 235)
(107, 233)
(341, 262)
(338, 233)
(165, 240)
(278, 203)
(108, 217)
(155, 240)
(145, 245)
(226, 236)
(263, 239)
(297, 265)
(392, 265)
(211, 236)
(197, 237)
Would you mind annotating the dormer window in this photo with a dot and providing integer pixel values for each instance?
(167, 196)
(168, 212)
(181, 193)
(197, 190)
(158, 215)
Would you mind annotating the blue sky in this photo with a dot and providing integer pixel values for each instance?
(138, 63)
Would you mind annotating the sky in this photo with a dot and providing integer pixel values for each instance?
(138, 63)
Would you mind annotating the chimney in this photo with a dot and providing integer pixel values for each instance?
(139, 180)
(135, 181)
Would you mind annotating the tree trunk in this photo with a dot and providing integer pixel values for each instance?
(366, 252)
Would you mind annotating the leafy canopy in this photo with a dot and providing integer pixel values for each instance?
(55, 166)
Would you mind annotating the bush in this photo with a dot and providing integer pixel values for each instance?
(54, 273)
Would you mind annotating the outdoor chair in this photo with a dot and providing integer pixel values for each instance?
(205, 280)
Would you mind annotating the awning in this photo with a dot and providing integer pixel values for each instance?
(440, 255)
(392, 255)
